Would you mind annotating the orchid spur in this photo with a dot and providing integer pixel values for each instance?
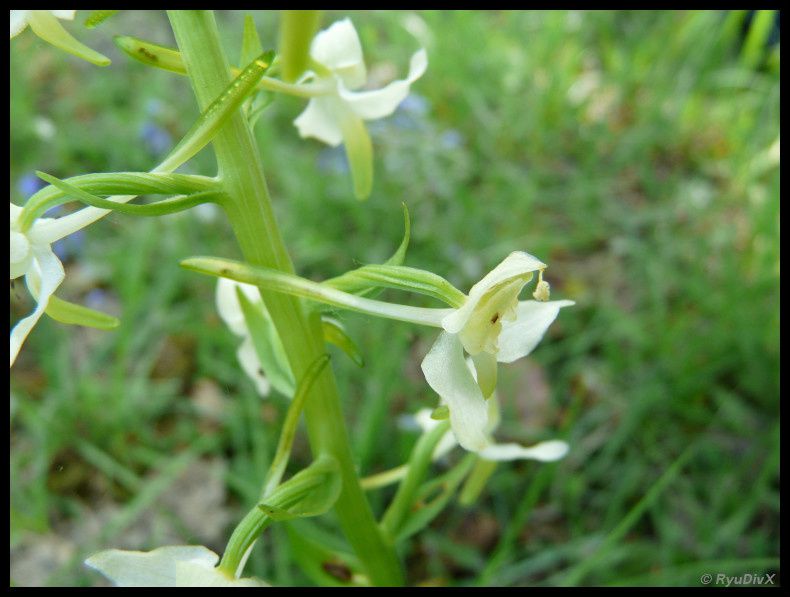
(44, 23)
(489, 323)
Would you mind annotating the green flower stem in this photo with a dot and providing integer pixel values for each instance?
(419, 461)
(251, 216)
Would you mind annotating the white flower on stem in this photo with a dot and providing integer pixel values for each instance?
(33, 258)
(231, 313)
(170, 566)
(336, 113)
(44, 23)
(492, 326)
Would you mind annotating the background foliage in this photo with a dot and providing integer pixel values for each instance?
(636, 153)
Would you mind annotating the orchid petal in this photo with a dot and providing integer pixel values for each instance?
(19, 21)
(516, 265)
(21, 254)
(338, 49)
(379, 103)
(545, 451)
(446, 372)
(170, 566)
(249, 361)
(518, 338)
(322, 119)
(52, 275)
(156, 568)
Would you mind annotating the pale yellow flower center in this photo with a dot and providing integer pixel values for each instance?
(499, 304)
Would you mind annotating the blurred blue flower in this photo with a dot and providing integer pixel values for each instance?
(411, 113)
(415, 104)
(69, 246)
(29, 184)
(451, 139)
(96, 299)
(153, 107)
(157, 140)
(333, 159)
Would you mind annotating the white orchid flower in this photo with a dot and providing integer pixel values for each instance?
(44, 23)
(170, 566)
(230, 311)
(336, 111)
(492, 326)
(33, 258)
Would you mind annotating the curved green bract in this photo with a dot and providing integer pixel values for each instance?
(160, 208)
(220, 110)
(288, 432)
(335, 333)
(400, 277)
(116, 183)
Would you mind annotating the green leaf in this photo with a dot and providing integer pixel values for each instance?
(97, 17)
(297, 29)
(268, 345)
(151, 54)
(73, 314)
(335, 333)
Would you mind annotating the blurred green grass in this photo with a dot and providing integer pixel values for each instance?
(634, 152)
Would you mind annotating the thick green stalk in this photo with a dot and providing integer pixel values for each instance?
(251, 216)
